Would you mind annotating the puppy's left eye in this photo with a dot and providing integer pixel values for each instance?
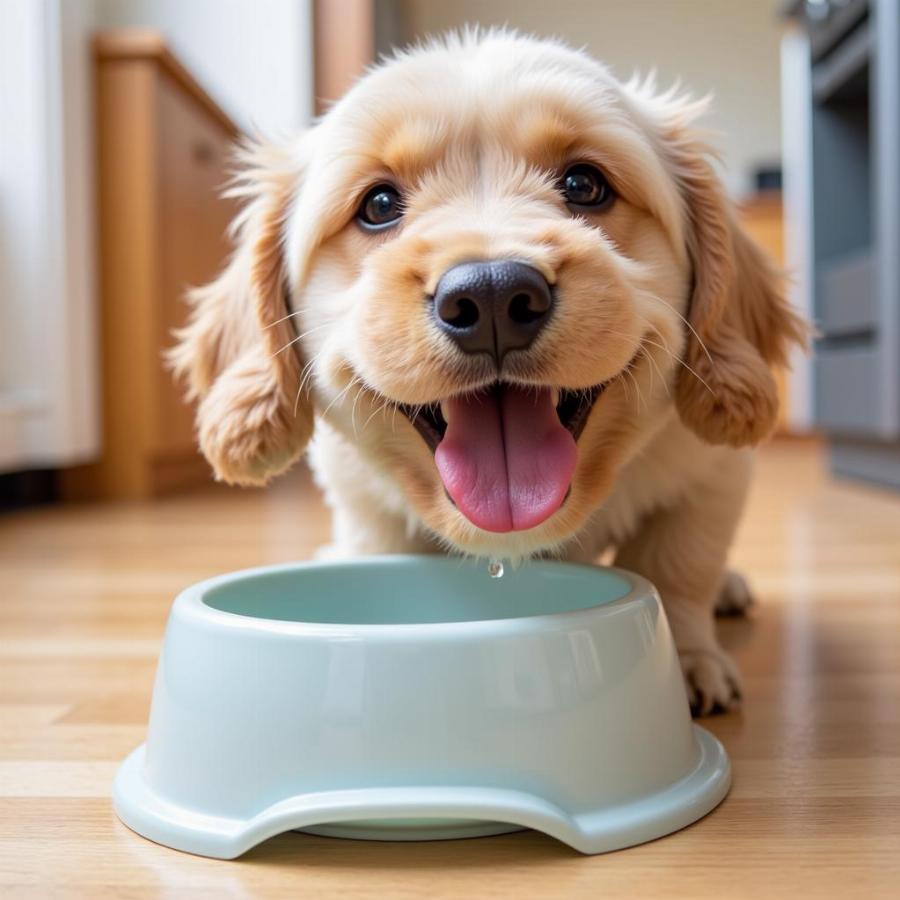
(585, 185)
(380, 208)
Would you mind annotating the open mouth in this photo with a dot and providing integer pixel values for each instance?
(572, 408)
(506, 454)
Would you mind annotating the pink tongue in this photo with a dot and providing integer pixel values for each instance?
(506, 459)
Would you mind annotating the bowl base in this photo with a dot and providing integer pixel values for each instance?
(426, 813)
(411, 829)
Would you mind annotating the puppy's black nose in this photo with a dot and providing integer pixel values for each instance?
(492, 307)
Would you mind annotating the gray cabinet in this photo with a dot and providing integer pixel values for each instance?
(855, 97)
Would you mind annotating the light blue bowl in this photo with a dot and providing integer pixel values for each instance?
(412, 698)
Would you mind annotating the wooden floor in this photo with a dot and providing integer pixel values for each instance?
(815, 808)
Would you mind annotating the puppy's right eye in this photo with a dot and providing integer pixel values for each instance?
(380, 208)
(585, 187)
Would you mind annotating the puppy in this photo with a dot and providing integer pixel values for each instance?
(502, 299)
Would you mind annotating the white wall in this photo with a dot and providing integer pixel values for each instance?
(253, 56)
(48, 371)
(729, 47)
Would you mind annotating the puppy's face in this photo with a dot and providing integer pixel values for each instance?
(489, 270)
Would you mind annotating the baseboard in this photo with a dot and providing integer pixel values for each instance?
(30, 488)
(874, 462)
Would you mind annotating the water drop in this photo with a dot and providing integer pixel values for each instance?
(495, 568)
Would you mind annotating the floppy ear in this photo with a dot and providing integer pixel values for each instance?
(252, 422)
(741, 322)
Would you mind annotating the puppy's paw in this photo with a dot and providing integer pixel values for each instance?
(735, 596)
(712, 680)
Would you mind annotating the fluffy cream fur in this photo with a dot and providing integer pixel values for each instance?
(315, 319)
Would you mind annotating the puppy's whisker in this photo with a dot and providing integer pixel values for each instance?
(309, 369)
(650, 358)
(305, 376)
(627, 391)
(576, 539)
(679, 360)
(655, 368)
(300, 337)
(654, 364)
(340, 396)
(637, 391)
(385, 403)
(300, 385)
(393, 408)
(282, 319)
(639, 397)
(359, 392)
(665, 348)
(683, 319)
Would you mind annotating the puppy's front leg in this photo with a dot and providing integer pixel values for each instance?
(366, 519)
(683, 549)
(362, 528)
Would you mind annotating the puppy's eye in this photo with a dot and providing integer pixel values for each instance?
(585, 185)
(381, 207)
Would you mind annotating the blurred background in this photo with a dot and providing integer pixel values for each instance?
(118, 116)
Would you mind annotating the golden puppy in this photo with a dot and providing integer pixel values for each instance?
(505, 296)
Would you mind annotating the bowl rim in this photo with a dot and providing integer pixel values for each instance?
(190, 603)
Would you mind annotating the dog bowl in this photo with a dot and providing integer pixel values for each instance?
(415, 698)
